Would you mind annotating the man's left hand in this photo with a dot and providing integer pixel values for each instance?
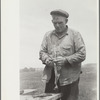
(60, 61)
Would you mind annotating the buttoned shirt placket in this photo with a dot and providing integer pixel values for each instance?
(57, 68)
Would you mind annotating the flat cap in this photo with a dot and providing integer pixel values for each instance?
(60, 12)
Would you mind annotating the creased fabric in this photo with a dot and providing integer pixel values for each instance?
(70, 46)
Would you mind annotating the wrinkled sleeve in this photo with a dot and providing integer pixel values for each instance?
(80, 52)
(43, 53)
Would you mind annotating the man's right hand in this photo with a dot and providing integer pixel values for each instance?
(49, 62)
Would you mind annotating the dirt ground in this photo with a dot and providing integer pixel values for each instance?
(87, 85)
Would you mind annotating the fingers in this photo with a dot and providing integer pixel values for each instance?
(59, 61)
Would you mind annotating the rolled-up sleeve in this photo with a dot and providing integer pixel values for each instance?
(80, 51)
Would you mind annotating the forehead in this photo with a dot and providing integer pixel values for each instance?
(58, 18)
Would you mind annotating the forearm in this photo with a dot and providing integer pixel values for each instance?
(77, 57)
(46, 58)
(79, 54)
(43, 56)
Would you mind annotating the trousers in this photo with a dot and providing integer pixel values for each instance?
(69, 92)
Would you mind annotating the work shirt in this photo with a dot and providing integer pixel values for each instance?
(71, 46)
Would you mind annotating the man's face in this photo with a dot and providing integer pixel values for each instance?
(59, 23)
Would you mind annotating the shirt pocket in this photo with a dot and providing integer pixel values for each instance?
(66, 50)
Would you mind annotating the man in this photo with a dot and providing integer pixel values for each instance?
(62, 48)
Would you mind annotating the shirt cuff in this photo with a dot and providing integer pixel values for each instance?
(68, 60)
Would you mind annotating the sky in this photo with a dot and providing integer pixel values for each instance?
(35, 21)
